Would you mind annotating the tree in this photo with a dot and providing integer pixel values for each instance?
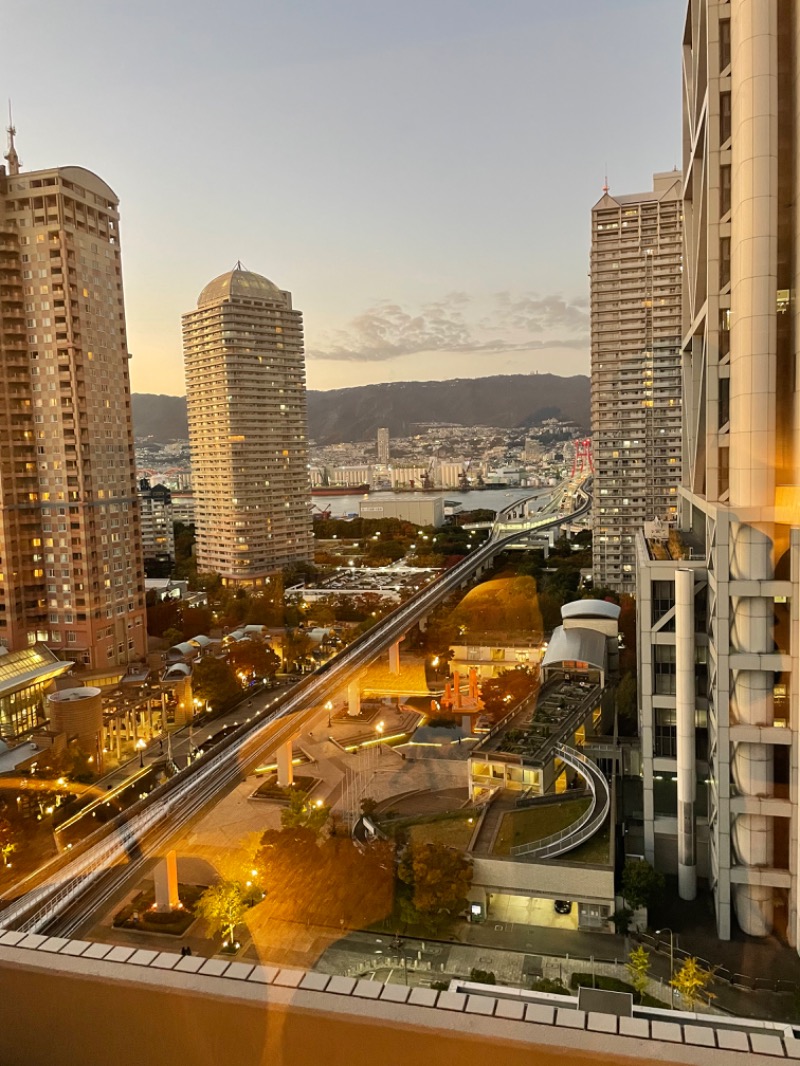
(499, 694)
(368, 805)
(300, 814)
(172, 636)
(640, 882)
(223, 906)
(297, 646)
(692, 981)
(214, 681)
(627, 707)
(9, 839)
(622, 920)
(253, 659)
(440, 878)
(638, 967)
(196, 620)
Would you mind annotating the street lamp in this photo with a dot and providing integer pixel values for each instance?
(667, 929)
(329, 708)
(140, 745)
(379, 728)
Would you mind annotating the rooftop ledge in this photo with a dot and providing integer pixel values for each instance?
(154, 1007)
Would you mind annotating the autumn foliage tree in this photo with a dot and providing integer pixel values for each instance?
(253, 659)
(439, 878)
(692, 981)
(213, 680)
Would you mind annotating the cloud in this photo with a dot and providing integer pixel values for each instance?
(389, 331)
(537, 313)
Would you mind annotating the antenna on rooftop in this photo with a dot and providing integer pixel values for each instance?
(11, 155)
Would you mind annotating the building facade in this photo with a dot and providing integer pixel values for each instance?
(158, 533)
(736, 736)
(383, 446)
(246, 400)
(70, 552)
(636, 371)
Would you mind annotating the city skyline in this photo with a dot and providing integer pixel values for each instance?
(461, 121)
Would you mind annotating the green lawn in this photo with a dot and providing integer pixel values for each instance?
(535, 823)
(597, 850)
(453, 830)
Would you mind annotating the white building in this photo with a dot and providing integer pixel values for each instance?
(734, 603)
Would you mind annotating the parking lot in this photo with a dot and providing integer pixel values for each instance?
(528, 910)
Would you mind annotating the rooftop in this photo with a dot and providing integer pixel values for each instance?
(238, 283)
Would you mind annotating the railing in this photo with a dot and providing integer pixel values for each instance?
(589, 822)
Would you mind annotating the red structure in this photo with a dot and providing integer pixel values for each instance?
(583, 463)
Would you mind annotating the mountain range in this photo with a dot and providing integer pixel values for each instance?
(354, 414)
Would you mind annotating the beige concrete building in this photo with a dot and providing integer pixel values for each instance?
(246, 399)
(734, 605)
(636, 373)
(70, 553)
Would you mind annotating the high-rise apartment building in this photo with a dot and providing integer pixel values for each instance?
(383, 446)
(70, 554)
(246, 399)
(158, 534)
(636, 372)
(726, 605)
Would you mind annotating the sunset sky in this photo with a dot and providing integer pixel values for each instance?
(419, 173)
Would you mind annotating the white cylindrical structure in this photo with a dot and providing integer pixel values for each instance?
(753, 387)
(685, 716)
(285, 765)
(354, 698)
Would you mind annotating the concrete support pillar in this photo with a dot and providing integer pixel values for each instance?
(685, 715)
(164, 711)
(354, 699)
(394, 657)
(118, 731)
(285, 767)
(456, 689)
(165, 879)
(754, 456)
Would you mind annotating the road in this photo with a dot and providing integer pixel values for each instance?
(77, 885)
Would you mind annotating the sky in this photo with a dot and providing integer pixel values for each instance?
(418, 173)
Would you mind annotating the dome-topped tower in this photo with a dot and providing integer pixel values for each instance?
(239, 282)
(246, 402)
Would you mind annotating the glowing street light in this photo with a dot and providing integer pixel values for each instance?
(379, 728)
(329, 709)
(140, 745)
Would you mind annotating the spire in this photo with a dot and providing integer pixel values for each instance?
(11, 155)
(605, 182)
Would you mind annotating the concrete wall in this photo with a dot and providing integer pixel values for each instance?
(593, 884)
(71, 1007)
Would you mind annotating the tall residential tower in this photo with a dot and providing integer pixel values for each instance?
(70, 552)
(636, 375)
(246, 398)
(731, 597)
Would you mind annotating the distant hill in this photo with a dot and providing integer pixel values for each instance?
(508, 400)
(346, 415)
(161, 417)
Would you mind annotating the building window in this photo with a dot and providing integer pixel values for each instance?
(724, 190)
(724, 117)
(664, 669)
(724, 44)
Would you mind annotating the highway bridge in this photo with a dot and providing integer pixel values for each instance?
(76, 884)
